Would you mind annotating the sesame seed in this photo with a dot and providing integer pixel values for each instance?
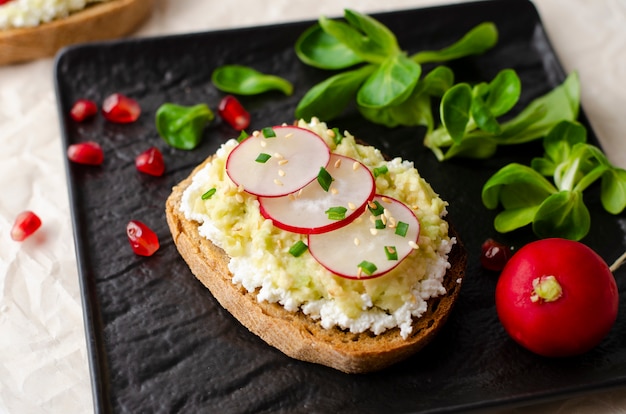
(256, 133)
(281, 173)
(351, 206)
(330, 133)
(415, 207)
(338, 163)
(386, 200)
(334, 190)
(263, 144)
(239, 198)
(279, 156)
(386, 213)
(289, 135)
(413, 245)
(357, 241)
(371, 204)
(240, 188)
(278, 182)
(283, 162)
(356, 165)
(292, 197)
(373, 232)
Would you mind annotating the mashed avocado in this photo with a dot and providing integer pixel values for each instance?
(260, 261)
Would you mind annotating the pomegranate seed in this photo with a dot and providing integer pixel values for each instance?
(25, 225)
(120, 109)
(83, 109)
(141, 238)
(150, 162)
(231, 110)
(494, 255)
(89, 153)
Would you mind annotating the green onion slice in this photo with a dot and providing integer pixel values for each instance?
(367, 267)
(338, 137)
(268, 132)
(242, 136)
(336, 213)
(391, 252)
(380, 170)
(324, 178)
(263, 157)
(209, 194)
(375, 208)
(402, 228)
(298, 248)
(379, 224)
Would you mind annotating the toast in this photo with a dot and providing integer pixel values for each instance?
(294, 333)
(99, 21)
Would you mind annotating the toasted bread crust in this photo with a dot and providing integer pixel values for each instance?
(294, 333)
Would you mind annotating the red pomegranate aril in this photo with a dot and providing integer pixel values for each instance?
(88, 153)
(231, 111)
(150, 162)
(120, 109)
(494, 255)
(83, 109)
(26, 223)
(141, 238)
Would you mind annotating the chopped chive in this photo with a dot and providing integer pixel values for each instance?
(367, 267)
(324, 178)
(402, 228)
(242, 136)
(375, 208)
(263, 157)
(380, 170)
(268, 132)
(379, 224)
(338, 137)
(209, 194)
(391, 252)
(298, 248)
(336, 213)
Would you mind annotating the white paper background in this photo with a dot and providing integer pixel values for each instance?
(43, 359)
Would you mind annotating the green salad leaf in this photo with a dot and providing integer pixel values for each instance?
(555, 208)
(182, 126)
(243, 80)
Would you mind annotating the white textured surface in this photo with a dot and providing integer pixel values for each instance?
(43, 360)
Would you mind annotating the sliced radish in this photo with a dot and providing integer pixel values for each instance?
(279, 165)
(359, 250)
(310, 210)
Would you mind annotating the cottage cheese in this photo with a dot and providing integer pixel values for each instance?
(31, 13)
(260, 261)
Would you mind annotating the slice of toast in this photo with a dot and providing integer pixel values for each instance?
(100, 21)
(294, 333)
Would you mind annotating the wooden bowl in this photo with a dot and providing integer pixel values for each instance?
(99, 21)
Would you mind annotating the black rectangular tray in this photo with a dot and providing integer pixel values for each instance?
(157, 339)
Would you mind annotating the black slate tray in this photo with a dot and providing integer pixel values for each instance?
(159, 342)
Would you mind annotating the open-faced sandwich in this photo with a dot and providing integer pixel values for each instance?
(32, 29)
(320, 245)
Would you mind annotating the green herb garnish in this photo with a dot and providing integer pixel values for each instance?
(375, 208)
(324, 179)
(298, 248)
(208, 194)
(380, 170)
(391, 252)
(367, 267)
(242, 136)
(379, 224)
(268, 132)
(402, 228)
(336, 213)
(263, 157)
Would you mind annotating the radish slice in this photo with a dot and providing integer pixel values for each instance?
(279, 165)
(359, 250)
(310, 210)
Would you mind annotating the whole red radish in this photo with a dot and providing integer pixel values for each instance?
(557, 298)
